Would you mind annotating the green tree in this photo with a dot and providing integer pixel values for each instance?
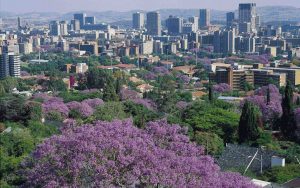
(2, 90)
(140, 114)
(249, 123)
(110, 111)
(212, 143)
(282, 174)
(13, 108)
(288, 122)
(109, 91)
(15, 146)
(210, 93)
(205, 117)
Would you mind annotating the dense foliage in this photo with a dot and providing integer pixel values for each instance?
(118, 154)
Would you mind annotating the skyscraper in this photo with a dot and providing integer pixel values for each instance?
(4, 65)
(14, 65)
(63, 28)
(195, 21)
(19, 24)
(224, 42)
(204, 18)
(230, 19)
(174, 25)
(247, 14)
(90, 20)
(81, 18)
(138, 20)
(75, 25)
(54, 28)
(153, 23)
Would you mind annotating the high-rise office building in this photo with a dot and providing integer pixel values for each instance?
(54, 28)
(224, 42)
(19, 24)
(90, 20)
(138, 20)
(204, 18)
(153, 23)
(247, 14)
(4, 65)
(195, 21)
(245, 27)
(75, 25)
(14, 65)
(230, 19)
(63, 28)
(81, 18)
(174, 25)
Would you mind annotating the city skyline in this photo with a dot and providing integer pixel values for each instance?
(126, 5)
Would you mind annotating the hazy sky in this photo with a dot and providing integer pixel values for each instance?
(123, 5)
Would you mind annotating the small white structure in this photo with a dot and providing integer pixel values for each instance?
(277, 161)
(265, 184)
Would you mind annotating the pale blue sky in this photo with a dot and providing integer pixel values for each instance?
(123, 5)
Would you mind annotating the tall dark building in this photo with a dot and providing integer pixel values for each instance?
(230, 19)
(19, 24)
(153, 23)
(81, 18)
(138, 20)
(4, 65)
(204, 18)
(75, 25)
(90, 20)
(174, 25)
(55, 28)
(247, 14)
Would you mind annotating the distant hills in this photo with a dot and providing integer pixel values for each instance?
(268, 14)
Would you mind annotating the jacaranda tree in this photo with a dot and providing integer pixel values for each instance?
(117, 154)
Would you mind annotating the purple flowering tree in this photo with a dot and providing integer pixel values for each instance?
(126, 94)
(146, 103)
(150, 76)
(272, 110)
(117, 154)
(184, 78)
(82, 107)
(182, 105)
(222, 88)
(55, 105)
(42, 96)
(94, 103)
(161, 70)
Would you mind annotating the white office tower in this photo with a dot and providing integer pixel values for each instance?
(230, 41)
(14, 65)
(63, 28)
(138, 20)
(247, 14)
(195, 21)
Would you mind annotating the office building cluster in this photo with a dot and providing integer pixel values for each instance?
(151, 35)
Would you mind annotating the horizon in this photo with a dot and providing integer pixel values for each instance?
(58, 6)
